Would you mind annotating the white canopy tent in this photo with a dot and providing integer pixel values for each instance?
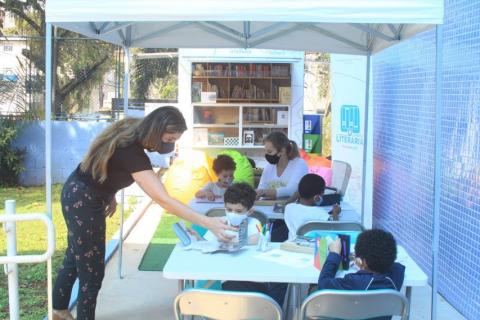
(359, 27)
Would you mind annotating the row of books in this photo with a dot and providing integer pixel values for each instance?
(250, 92)
(241, 70)
(253, 115)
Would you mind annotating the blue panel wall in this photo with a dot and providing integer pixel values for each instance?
(404, 105)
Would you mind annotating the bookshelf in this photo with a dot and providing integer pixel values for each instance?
(236, 125)
(242, 82)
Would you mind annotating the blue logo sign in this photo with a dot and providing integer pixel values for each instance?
(350, 119)
(350, 125)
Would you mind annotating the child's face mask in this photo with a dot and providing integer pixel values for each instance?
(235, 219)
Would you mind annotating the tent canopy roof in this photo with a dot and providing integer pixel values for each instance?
(341, 26)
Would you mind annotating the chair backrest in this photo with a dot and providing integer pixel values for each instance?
(348, 304)
(220, 212)
(341, 172)
(226, 305)
(329, 226)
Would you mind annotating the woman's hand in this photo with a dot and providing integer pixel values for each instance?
(218, 226)
(111, 208)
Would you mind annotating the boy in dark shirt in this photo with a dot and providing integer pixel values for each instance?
(375, 254)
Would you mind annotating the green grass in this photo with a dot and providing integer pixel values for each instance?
(32, 239)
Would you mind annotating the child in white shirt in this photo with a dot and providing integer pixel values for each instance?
(310, 190)
(224, 168)
(239, 199)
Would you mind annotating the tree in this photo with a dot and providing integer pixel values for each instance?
(156, 75)
(80, 63)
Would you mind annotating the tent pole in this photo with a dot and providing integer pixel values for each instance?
(438, 163)
(365, 136)
(48, 148)
(126, 85)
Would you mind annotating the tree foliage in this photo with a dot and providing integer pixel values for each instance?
(154, 76)
(80, 63)
(11, 158)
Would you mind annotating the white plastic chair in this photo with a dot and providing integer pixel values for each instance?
(226, 305)
(341, 172)
(353, 305)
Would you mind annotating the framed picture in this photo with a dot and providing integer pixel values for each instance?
(196, 91)
(282, 118)
(248, 137)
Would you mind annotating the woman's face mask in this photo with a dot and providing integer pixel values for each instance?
(272, 158)
(167, 147)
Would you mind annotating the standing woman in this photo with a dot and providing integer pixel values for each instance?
(115, 160)
(284, 170)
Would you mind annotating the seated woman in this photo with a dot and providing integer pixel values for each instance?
(284, 170)
(281, 175)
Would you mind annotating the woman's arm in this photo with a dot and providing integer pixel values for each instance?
(263, 190)
(149, 182)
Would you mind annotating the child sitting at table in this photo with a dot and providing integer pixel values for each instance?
(224, 168)
(239, 199)
(375, 255)
(310, 192)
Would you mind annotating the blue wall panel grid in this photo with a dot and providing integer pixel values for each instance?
(404, 116)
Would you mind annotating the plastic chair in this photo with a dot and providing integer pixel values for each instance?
(329, 226)
(349, 305)
(220, 212)
(341, 172)
(226, 305)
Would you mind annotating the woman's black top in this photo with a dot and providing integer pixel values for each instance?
(122, 164)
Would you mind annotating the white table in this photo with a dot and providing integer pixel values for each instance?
(244, 266)
(348, 212)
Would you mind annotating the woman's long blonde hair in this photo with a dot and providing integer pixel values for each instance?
(147, 132)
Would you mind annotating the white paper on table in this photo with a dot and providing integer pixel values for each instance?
(291, 259)
(217, 200)
(214, 246)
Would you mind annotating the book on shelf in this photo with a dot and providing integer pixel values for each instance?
(280, 70)
(282, 118)
(258, 115)
(248, 137)
(196, 91)
(200, 136)
(216, 138)
(284, 95)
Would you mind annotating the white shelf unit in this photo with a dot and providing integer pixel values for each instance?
(230, 121)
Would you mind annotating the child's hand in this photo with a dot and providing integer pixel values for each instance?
(210, 196)
(336, 211)
(335, 246)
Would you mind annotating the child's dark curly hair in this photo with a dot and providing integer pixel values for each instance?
(377, 248)
(223, 162)
(240, 193)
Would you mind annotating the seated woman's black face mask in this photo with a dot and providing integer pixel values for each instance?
(272, 158)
